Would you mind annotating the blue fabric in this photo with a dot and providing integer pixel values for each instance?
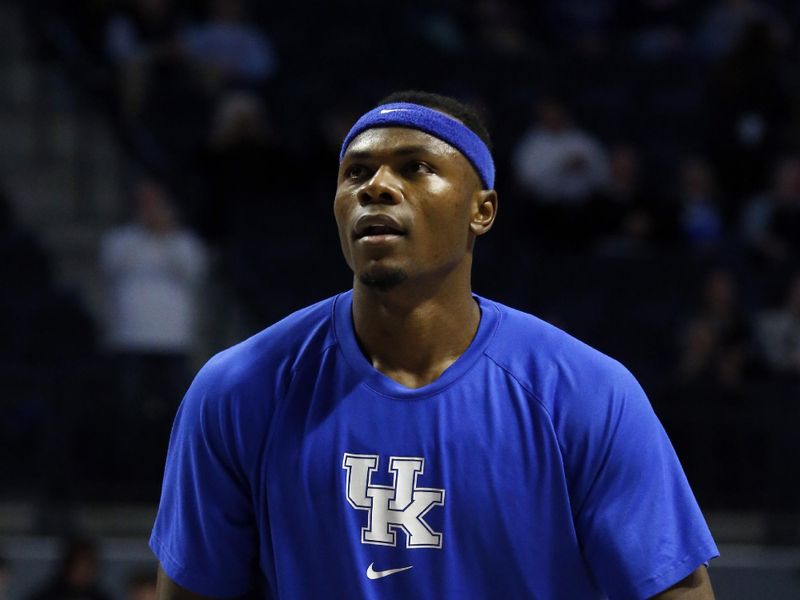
(546, 473)
(448, 129)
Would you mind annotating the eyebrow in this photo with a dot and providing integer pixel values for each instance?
(402, 151)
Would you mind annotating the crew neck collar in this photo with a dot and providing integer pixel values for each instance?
(378, 382)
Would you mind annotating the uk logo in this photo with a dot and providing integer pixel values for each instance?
(400, 506)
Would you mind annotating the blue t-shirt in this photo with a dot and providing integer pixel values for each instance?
(533, 467)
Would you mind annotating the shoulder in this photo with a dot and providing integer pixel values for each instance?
(273, 354)
(120, 242)
(563, 373)
(233, 398)
(598, 412)
(185, 235)
(531, 138)
(122, 233)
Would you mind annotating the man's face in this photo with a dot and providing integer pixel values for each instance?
(406, 205)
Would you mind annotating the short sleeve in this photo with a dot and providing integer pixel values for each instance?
(204, 534)
(639, 525)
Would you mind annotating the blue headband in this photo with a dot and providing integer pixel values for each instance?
(414, 116)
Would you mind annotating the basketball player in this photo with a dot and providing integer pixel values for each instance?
(408, 439)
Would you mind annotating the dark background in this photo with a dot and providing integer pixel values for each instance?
(678, 259)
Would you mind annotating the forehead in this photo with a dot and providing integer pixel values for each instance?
(391, 140)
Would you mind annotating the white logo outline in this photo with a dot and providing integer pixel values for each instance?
(392, 516)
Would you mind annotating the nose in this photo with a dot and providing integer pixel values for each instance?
(383, 188)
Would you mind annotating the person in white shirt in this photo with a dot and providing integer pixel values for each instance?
(229, 48)
(153, 270)
(558, 162)
(778, 332)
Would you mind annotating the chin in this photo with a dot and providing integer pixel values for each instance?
(383, 278)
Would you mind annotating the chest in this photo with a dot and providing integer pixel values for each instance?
(476, 457)
(452, 484)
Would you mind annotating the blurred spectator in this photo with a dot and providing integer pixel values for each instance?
(142, 43)
(77, 575)
(153, 269)
(500, 27)
(659, 28)
(715, 341)
(243, 168)
(778, 332)
(700, 220)
(620, 219)
(441, 29)
(228, 48)
(749, 108)
(142, 585)
(726, 21)
(574, 23)
(143, 30)
(252, 183)
(556, 161)
(771, 221)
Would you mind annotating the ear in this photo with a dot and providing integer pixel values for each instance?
(485, 211)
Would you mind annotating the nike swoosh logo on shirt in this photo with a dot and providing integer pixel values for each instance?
(373, 574)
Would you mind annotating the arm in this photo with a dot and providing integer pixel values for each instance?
(166, 589)
(697, 586)
(639, 522)
(204, 535)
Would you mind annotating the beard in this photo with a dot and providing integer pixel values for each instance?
(383, 279)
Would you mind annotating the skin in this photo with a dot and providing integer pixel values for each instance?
(166, 589)
(414, 330)
(413, 309)
(697, 586)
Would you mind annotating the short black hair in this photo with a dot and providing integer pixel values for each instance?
(465, 113)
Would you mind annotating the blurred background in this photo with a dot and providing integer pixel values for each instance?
(167, 171)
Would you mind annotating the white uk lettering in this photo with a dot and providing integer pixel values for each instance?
(403, 505)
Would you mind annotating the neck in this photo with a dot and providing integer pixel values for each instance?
(414, 332)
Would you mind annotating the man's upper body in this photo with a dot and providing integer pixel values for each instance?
(410, 439)
(153, 268)
(557, 161)
(533, 467)
(230, 45)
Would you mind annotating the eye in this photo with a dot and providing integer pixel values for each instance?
(418, 166)
(355, 171)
